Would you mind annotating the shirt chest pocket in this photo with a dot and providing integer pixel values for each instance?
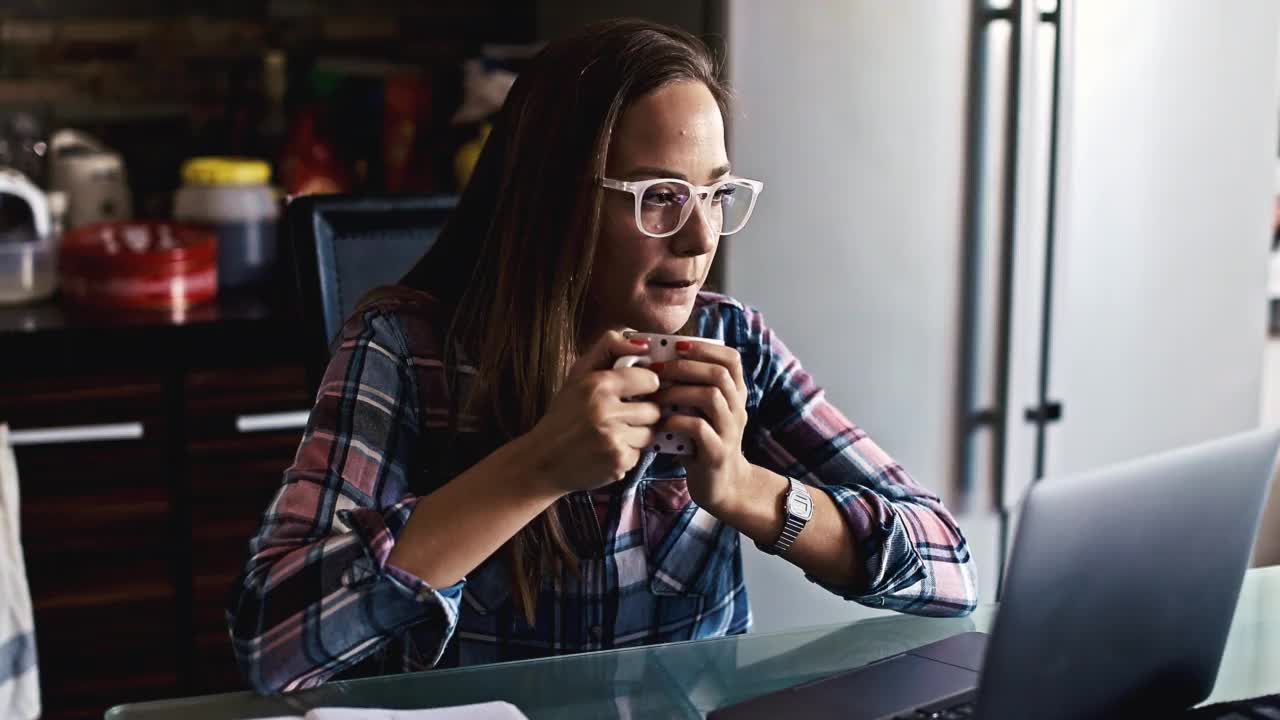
(684, 543)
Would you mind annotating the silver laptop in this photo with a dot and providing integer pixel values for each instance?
(1119, 596)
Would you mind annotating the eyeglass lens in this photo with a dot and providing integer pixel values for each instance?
(664, 207)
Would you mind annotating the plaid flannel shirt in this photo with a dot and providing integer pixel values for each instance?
(318, 598)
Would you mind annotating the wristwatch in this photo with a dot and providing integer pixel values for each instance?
(798, 506)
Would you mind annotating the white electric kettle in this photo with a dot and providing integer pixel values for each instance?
(28, 246)
(93, 177)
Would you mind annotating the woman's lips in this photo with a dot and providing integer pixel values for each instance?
(677, 292)
(672, 283)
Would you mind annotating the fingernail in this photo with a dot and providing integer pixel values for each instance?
(684, 345)
(640, 342)
(657, 367)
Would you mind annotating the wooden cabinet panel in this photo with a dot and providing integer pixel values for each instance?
(132, 545)
(129, 560)
(215, 668)
(215, 399)
(84, 400)
(232, 476)
(112, 629)
(88, 693)
(105, 629)
(96, 526)
(231, 483)
(115, 518)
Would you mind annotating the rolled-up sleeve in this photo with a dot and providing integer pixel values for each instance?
(317, 594)
(912, 555)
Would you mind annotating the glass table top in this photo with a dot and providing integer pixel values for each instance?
(688, 680)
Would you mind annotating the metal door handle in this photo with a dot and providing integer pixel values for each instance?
(1049, 412)
(108, 432)
(266, 422)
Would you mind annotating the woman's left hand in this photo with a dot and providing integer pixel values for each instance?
(708, 378)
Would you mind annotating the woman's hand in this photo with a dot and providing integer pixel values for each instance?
(709, 378)
(591, 436)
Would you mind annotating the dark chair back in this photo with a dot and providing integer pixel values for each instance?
(346, 245)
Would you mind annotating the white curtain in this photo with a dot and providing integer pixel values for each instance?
(19, 681)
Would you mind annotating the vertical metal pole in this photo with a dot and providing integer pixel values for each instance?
(1004, 305)
(968, 419)
(1022, 16)
(1044, 416)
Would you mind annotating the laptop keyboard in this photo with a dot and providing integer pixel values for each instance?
(956, 708)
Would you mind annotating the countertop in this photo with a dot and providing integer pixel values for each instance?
(54, 338)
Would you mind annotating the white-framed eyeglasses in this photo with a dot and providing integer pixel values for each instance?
(663, 207)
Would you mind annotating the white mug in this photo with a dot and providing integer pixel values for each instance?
(662, 348)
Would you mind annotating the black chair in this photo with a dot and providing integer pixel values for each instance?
(344, 246)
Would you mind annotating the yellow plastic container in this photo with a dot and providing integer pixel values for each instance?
(233, 197)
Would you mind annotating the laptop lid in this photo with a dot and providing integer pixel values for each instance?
(1123, 582)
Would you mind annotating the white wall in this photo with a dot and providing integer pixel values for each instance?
(1159, 314)
(851, 112)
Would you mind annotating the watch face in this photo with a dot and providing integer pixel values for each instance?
(800, 505)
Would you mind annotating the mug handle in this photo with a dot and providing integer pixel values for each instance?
(627, 361)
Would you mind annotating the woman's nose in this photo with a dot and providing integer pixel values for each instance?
(697, 236)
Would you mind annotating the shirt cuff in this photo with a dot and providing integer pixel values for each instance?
(436, 615)
(887, 558)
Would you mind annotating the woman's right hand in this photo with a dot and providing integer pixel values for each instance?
(591, 436)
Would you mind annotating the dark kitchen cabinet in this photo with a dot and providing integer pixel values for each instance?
(144, 466)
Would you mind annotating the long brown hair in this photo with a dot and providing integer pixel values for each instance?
(515, 259)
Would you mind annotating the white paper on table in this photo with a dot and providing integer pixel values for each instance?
(498, 710)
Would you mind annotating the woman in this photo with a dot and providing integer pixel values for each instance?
(475, 483)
